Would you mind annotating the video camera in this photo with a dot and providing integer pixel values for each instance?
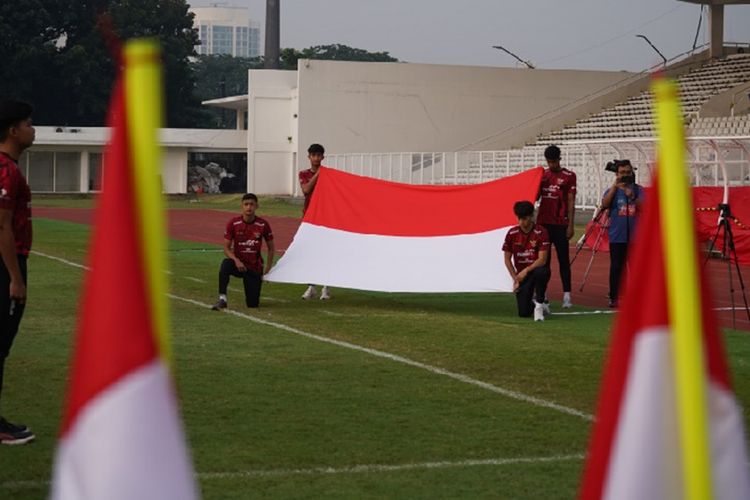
(613, 165)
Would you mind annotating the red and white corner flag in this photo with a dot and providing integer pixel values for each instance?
(371, 234)
(668, 425)
(121, 434)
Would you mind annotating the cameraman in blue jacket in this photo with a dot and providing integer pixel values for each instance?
(623, 199)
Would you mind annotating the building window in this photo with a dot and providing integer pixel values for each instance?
(223, 40)
(51, 172)
(67, 172)
(95, 171)
(41, 171)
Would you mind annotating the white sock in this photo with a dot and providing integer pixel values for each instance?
(566, 295)
(223, 297)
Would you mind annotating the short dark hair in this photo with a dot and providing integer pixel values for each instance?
(250, 196)
(523, 209)
(11, 113)
(316, 148)
(552, 152)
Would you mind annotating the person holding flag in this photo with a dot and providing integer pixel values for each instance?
(526, 247)
(557, 210)
(243, 238)
(308, 179)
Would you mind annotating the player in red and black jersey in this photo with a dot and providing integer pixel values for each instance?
(243, 238)
(16, 135)
(557, 210)
(526, 247)
(307, 182)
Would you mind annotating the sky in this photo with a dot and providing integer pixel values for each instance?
(568, 34)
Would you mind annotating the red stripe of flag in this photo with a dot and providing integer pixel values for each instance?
(644, 305)
(115, 333)
(371, 206)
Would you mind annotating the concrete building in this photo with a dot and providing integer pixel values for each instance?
(354, 107)
(226, 29)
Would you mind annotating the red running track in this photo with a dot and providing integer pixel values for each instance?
(207, 226)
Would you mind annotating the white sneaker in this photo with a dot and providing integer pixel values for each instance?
(310, 293)
(325, 294)
(545, 308)
(566, 304)
(538, 312)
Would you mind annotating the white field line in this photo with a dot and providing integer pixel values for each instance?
(197, 280)
(355, 469)
(385, 355)
(584, 313)
(338, 314)
(400, 359)
(263, 297)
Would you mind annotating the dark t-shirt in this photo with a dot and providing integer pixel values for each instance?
(525, 247)
(553, 192)
(15, 195)
(246, 240)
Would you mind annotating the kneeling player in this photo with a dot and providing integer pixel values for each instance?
(242, 241)
(528, 244)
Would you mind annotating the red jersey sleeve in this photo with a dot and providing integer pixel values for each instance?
(544, 239)
(508, 244)
(8, 187)
(573, 183)
(267, 232)
(229, 231)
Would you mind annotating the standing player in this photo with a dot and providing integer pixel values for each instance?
(557, 211)
(527, 244)
(307, 181)
(242, 241)
(623, 199)
(16, 135)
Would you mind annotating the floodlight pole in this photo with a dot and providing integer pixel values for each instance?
(273, 29)
(527, 63)
(653, 47)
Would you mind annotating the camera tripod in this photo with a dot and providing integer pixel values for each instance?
(728, 252)
(599, 225)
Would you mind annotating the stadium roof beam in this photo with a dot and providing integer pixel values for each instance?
(716, 23)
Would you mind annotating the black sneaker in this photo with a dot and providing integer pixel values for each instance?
(14, 434)
(221, 304)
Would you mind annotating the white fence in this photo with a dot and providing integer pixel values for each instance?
(708, 158)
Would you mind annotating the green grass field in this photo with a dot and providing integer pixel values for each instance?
(283, 207)
(275, 408)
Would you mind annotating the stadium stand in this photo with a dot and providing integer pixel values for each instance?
(632, 118)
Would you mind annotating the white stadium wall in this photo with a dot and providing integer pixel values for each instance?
(389, 107)
(271, 131)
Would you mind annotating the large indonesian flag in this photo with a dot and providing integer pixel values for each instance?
(668, 425)
(371, 234)
(121, 433)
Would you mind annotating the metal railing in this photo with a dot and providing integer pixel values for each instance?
(587, 159)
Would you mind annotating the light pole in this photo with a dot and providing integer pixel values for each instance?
(273, 28)
(653, 47)
(527, 63)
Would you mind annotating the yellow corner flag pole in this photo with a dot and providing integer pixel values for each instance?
(678, 234)
(143, 101)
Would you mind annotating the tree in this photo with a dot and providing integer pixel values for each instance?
(335, 52)
(55, 56)
(220, 76)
